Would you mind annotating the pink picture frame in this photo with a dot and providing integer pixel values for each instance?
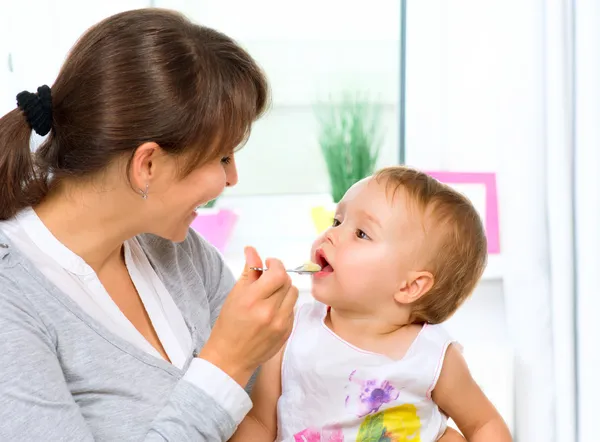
(487, 179)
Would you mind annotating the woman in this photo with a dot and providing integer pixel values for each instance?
(113, 319)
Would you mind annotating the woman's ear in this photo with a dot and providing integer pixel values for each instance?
(143, 164)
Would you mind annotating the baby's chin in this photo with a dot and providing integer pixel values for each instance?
(318, 295)
(335, 300)
(327, 297)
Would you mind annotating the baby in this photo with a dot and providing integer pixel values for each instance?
(367, 361)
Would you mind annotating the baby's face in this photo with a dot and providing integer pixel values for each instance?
(373, 244)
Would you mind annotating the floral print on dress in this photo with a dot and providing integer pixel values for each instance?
(368, 396)
(396, 424)
(326, 434)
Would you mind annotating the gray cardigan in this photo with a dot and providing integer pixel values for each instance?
(65, 377)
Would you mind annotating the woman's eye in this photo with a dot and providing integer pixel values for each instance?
(336, 223)
(362, 235)
(226, 160)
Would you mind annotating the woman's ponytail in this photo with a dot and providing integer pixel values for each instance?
(22, 182)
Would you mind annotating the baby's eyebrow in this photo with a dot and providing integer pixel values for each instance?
(371, 218)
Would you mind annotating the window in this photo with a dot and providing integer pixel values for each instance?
(310, 51)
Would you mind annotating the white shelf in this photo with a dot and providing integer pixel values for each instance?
(494, 269)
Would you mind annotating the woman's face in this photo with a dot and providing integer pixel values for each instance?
(172, 200)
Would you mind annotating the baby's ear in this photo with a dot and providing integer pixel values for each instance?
(416, 285)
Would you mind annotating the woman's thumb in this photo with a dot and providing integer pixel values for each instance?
(252, 260)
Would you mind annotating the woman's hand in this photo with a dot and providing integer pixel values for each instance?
(255, 321)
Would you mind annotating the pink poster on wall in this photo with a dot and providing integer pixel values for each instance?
(480, 188)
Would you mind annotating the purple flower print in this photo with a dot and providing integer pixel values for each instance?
(375, 394)
(371, 396)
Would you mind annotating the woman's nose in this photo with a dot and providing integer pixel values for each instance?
(231, 174)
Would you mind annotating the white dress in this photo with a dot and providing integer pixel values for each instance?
(333, 391)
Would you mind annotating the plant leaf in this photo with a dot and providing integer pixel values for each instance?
(350, 137)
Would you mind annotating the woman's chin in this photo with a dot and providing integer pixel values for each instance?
(180, 238)
(175, 234)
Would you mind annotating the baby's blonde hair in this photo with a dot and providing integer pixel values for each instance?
(454, 236)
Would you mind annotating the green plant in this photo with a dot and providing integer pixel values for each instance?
(350, 140)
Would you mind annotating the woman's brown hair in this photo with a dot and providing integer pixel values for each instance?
(138, 76)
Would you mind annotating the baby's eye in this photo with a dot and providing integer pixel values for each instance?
(226, 160)
(362, 235)
(336, 223)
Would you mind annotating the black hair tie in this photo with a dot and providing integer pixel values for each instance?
(37, 109)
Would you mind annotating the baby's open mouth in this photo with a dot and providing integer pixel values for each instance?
(322, 261)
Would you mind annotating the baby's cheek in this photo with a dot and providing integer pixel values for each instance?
(349, 269)
(359, 271)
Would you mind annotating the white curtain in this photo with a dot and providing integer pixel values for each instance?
(587, 214)
(573, 196)
(546, 244)
(560, 203)
(551, 221)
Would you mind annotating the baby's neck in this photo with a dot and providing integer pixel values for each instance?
(374, 334)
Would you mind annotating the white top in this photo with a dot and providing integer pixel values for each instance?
(73, 276)
(333, 391)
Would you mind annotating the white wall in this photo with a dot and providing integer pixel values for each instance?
(473, 82)
(38, 35)
(37, 52)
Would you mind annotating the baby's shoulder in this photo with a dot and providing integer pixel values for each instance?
(436, 331)
(431, 341)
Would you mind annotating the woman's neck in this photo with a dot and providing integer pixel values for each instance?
(92, 223)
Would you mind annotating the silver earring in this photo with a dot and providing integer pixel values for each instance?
(144, 193)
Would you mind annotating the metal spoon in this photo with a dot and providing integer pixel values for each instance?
(301, 270)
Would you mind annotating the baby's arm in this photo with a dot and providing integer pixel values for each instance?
(260, 425)
(457, 394)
